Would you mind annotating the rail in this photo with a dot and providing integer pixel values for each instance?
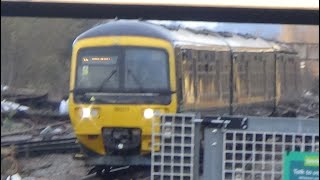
(41, 147)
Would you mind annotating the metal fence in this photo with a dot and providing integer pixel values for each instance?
(256, 153)
(233, 148)
(173, 148)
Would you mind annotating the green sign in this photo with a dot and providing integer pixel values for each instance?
(301, 166)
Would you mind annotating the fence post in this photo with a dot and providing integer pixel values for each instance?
(213, 150)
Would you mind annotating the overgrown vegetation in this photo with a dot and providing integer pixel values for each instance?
(35, 52)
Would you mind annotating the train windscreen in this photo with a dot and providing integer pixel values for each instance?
(123, 70)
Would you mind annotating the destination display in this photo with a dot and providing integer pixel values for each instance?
(99, 59)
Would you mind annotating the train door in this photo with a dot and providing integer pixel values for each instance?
(188, 78)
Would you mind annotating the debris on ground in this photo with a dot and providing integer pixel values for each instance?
(8, 106)
(14, 177)
(30, 102)
(63, 108)
(4, 88)
(28, 114)
(49, 132)
(9, 164)
(52, 167)
(308, 105)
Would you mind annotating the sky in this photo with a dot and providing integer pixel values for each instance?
(270, 31)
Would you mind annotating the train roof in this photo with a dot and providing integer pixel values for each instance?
(243, 43)
(281, 47)
(186, 37)
(126, 28)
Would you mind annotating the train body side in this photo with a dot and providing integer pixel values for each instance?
(260, 79)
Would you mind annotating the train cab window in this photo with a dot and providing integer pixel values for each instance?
(126, 68)
(132, 72)
(146, 69)
(98, 68)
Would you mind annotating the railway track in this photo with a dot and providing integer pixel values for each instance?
(121, 173)
(42, 147)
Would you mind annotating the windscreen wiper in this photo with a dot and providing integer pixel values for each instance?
(136, 80)
(106, 80)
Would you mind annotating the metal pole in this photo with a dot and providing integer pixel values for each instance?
(231, 80)
(275, 83)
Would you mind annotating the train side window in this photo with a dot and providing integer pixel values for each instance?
(184, 54)
(241, 57)
(206, 56)
(213, 56)
(195, 55)
(211, 67)
(291, 60)
(206, 67)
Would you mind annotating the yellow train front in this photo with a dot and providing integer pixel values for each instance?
(122, 73)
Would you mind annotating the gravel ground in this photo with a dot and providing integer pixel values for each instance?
(64, 167)
(52, 167)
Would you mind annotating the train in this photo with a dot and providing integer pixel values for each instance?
(124, 72)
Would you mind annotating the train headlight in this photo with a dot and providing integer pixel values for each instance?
(148, 113)
(89, 113)
(94, 113)
(86, 113)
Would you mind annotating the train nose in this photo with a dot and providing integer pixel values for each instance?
(122, 140)
(120, 134)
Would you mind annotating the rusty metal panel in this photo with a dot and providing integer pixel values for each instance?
(282, 73)
(179, 54)
(224, 65)
(291, 74)
(195, 57)
(270, 63)
(207, 77)
(257, 82)
(188, 77)
(288, 67)
(243, 73)
(255, 76)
